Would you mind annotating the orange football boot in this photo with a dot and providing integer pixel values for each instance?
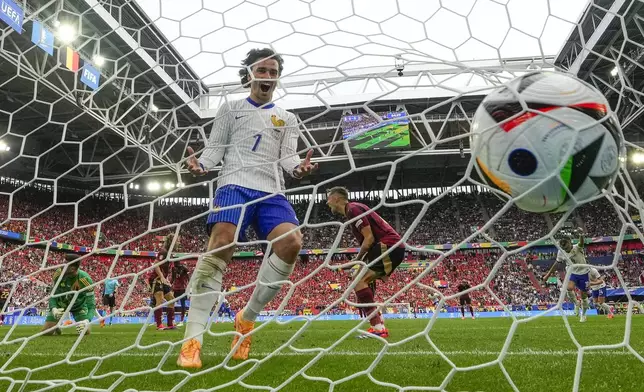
(243, 327)
(190, 355)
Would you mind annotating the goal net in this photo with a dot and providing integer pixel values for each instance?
(101, 99)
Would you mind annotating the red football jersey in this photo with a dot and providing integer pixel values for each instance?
(180, 282)
(382, 231)
(165, 267)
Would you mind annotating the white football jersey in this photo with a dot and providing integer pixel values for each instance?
(593, 274)
(575, 257)
(256, 144)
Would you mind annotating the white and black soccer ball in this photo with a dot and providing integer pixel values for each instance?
(516, 150)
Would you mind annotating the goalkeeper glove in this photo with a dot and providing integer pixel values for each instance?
(58, 313)
(82, 325)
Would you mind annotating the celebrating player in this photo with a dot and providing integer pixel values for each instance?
(598, 287)
(465, 299)
(84, 306)
(180, 278)
(376, 238)
(574, 258)
(161, 288)
(109, 297)
(225, 309)
(251, 135)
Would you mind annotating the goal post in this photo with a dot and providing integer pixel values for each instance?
(99, 101)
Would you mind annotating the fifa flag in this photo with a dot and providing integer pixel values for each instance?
(42, 37)
(90, 76)
(70, 58)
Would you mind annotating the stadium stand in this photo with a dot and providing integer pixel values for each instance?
(448, 220)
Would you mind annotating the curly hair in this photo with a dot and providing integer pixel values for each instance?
(254, 56)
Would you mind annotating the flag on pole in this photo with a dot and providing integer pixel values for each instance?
(42, 37)
(70, 58)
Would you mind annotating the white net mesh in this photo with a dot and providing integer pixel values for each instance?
(91, 162)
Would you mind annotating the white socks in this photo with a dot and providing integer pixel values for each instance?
(206, 280)
(605, 307)
(585, 304)
(272, 270)
(572, 297)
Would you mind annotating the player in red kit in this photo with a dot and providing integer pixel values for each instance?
(376, 238)
(161, 288)
(180, 278)
(4, 298)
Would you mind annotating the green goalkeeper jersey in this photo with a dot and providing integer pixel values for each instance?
(71, 284)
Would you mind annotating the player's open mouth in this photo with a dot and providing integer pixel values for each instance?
(265, 86)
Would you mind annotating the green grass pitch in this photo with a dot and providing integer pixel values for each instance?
(540, 357)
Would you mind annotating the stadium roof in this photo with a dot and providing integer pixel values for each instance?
(328, 44)
(116, 127)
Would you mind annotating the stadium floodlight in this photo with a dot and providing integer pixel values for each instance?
(98, 60)
(3, 146)
(180, 185)
(154, 186)
(637, 158)
(131, 186)
(136, 187)
(168, 185)
(154, 108)
(614, 71)
(66, 33)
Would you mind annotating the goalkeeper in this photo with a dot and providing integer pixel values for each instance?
(84, 306)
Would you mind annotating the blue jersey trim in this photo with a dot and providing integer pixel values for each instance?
(268, 106)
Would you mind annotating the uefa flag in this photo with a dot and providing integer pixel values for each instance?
(42, 37)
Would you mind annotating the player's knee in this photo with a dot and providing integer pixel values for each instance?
(222, 234)
(287, 248)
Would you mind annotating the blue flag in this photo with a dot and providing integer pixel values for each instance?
(90, 76)
(43, 38)
(12, 14)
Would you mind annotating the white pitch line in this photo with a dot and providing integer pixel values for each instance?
(555, 353)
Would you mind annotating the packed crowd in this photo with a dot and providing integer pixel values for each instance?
(317, 286)
(446, 220)
(107, 223)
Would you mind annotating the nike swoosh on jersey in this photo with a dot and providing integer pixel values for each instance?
(238, 117)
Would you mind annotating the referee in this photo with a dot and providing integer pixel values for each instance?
(109, 297)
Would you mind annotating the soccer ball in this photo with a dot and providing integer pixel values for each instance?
(515, 150)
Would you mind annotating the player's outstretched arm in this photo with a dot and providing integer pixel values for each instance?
(193, 165)
(305, 167)
(367, 243)
(214, 150)
(581, 239)
(292, 163)
(550, 271)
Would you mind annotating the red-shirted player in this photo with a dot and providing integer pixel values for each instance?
(161, 287)
(4, 297)
(376, 238)
(180, 278)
